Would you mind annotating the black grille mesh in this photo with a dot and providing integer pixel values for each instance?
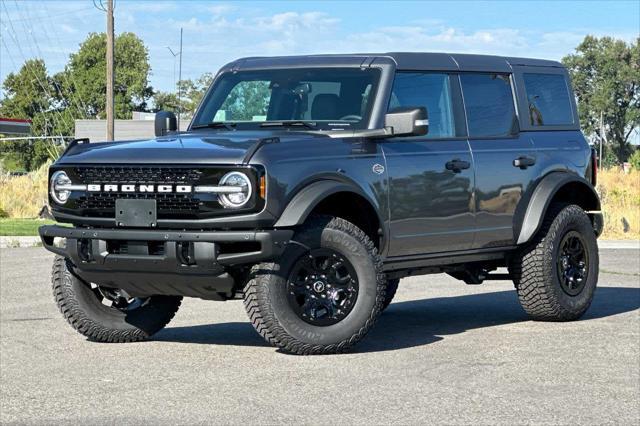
(169, 205)
(166, 202)
(140, 175)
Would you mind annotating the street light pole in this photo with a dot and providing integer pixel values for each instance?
(179, 80)
(110, 105)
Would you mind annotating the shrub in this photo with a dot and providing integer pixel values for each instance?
(24, 196)
(620, 197)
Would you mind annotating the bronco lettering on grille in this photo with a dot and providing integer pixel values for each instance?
(183, 189)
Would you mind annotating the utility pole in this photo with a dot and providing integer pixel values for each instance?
(180, 79)
(110, 122)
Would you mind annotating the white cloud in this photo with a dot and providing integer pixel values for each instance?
(147, 6)
(221, 8)
(417, 38)
(68, 29)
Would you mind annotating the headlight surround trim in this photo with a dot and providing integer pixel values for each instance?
(59, 178)
(228, 200)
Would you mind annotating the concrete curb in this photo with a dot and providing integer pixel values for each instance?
(619, 244)
(15, 242)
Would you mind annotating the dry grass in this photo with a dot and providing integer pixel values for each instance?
(620, 196)
(24, 196)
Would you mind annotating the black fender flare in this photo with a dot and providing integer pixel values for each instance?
(542, 195)
(303, 203)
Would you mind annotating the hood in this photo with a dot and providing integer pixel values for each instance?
(189, 148)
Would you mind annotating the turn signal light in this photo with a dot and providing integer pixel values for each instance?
(263, 187)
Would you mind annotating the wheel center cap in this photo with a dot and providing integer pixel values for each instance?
(318, 286)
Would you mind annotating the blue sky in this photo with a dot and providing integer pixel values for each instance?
(217, 32)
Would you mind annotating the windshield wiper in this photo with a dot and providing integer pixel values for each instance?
(215, 125)
(293, 123)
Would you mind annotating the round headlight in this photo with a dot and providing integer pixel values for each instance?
(59, 179)
(241, 192)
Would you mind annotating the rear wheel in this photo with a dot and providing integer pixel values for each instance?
(105, 314)
(323, 294)
(556, 275)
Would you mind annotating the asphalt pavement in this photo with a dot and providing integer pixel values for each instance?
(443, 352)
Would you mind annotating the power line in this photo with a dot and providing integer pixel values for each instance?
(55, 15)
(98, 5)
(32, 84)
(13, 35)
(30, 31)
(64, 74)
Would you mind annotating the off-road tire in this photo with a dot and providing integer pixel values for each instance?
(265, 293)
(392, 287)
(100, 323)
(534, 269)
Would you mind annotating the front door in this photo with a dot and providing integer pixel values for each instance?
(431, 177)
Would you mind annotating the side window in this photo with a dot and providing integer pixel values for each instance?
(548, 99)
(429, 90)
(488, 101)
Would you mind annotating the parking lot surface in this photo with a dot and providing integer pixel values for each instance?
(443, 352)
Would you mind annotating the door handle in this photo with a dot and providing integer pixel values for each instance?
(457, 165)
(524, 161)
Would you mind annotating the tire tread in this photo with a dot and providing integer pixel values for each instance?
(82, 321)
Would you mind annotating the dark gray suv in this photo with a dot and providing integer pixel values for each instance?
(310, 185)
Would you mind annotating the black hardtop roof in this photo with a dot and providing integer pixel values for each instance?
(404, 61)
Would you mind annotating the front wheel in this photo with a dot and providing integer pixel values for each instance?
(323, 294)
(556, 275)
(392, 288)
(105, 314)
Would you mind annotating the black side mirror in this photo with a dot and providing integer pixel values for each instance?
(165, 122)
(408, 121)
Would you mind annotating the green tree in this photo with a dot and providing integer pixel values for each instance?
(606, 77)
(30, 94)
(84, 78)
(17, 155)
(165, 101)
(192, 92)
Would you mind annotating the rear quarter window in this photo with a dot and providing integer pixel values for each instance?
(548, 99)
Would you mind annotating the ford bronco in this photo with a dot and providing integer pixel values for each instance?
(310, 185)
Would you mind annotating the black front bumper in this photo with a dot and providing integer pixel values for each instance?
(148, 262)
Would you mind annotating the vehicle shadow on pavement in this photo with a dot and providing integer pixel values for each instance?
(418, 322)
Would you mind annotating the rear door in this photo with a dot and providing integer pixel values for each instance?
(505, 159)
(551, 119)
(430, 177)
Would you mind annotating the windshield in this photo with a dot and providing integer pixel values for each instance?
(315, 98)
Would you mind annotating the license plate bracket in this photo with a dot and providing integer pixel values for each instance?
(136, 213)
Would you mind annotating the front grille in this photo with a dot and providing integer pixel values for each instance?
(170, 205)
(138, 175)
(167, 203)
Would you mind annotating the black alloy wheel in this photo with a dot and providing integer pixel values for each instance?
(322, 287)
(572, 263)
